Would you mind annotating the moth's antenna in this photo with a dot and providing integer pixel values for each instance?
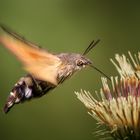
(91, 46)
(100, 72)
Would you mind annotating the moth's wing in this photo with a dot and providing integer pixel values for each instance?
(40, 63)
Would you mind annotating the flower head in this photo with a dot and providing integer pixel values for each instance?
(127, 66)
(119, 105)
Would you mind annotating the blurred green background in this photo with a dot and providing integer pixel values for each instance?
(64, 26)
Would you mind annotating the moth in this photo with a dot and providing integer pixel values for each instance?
(45, 70)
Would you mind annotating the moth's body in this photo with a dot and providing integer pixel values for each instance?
(46, 70)
(29, 87)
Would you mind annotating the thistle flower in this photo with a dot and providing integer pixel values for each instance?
(118, 108)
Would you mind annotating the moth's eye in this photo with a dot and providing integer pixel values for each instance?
(80, 63)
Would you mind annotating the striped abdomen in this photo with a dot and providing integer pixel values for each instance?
(26, 88)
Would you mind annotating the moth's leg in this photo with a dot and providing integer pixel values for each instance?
(62, 79)
(48, 88)
(36, 84)
(43, 86)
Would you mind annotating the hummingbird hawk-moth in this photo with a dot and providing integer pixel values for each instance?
(46, 70)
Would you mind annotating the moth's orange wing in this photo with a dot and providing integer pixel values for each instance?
(40, 63)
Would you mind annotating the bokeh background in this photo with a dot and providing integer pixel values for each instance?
(64, 26)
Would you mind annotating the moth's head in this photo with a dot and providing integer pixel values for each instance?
(74, 62)
(81, 60)
(77, 61)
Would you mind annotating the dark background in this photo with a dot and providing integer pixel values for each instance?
(64, 26)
